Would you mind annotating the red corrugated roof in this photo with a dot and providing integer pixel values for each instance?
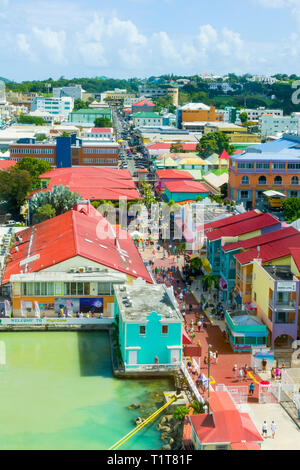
(234, 219)
(76, 233)
(5, 164)
(144, 103)
(245, 446)
(167, 146)
(178, 174)
(94, 183)
(295, 252)
(270, 251)
(102, 129)
(226, 424)
(185, 186)
(262, 239)
(247, 226)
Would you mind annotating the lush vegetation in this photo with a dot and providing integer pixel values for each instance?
(214, 142)
(37, 121)
(60, 199)
(15, 184)
(103, 122)
(35, 168)
(291, 208)
(43, 213)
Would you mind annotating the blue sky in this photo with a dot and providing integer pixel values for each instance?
(128, 38)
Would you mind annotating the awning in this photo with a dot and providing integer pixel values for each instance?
(185, 337)
(223, 283)
(271, 193)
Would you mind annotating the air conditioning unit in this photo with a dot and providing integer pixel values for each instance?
(72, 270)
(98, 270)
(89, 269)
(81, 270)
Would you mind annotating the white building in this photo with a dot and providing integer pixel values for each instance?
(56, 106)
(74, 92)
(272, 125)
(263, 79)
(254, 114)
(100, 133)
(47, 117)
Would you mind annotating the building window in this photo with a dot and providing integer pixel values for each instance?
(165, 329)
(277, 180)
(103, 288)
(264, 166)
(278, 166)
(244, 194)
(245, 180)
(295, 180)
(294, 193)
(262, 180)
(142, 329)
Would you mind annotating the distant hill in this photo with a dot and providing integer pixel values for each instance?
(5, 80)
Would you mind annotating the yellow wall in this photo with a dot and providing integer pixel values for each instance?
(261, 284)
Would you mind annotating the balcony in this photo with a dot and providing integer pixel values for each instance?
(283, 306)
(286, 318)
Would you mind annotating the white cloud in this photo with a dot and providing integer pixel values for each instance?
(53, 43)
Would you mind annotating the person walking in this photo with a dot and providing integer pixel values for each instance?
(216, 356)
(245, 370)
(264, 364)
(199, 323)
(265, 429)
(251, 388)
(240, 374)
(234, 370)
(273, 429)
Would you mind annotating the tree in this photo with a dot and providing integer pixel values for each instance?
(244, 118)
(176, 148)
(291, 208)
(79, 104)
(31, 120)
(197, 407)
(60, 198)
(41, 137)
(211, 280)
(35, 167)
(214, 142)
(180, 413)
(15, 184)
(44, 213)
(196, 264)
(103, 122)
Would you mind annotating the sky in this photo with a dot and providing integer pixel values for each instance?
(139, 38)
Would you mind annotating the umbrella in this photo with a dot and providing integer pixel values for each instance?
(136, 234)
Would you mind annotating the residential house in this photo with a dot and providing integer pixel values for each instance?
(147, 119)
(143, 106)
(149, 326)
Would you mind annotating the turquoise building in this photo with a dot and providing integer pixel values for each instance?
(185, 190)
(245, 331)
(149, 327)
(88, 116)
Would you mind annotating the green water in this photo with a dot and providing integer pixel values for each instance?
(57, 392)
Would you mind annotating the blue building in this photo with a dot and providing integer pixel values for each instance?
(150, 327)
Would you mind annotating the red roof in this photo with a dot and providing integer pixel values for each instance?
(167, 146)
(234, 219)
(5, 164)
(172, 174)
(247, 226)
(245, 446)
(82, 232)
(270, 251)
(238, 152)
(226, 424)
(262, 239)
(94, 183)
(102, 129)
(295, 252)
(224, 155)
(185, 186)
(144, 103)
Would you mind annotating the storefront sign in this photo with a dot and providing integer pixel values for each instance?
(283, 286)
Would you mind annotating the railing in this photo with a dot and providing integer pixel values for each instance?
(191, 383)
(152, 367)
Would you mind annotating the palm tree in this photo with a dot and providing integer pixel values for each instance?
(197, 407)
(211, 280)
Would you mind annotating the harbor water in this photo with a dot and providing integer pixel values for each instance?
(58, 392)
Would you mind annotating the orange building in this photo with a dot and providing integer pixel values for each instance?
(197, 112)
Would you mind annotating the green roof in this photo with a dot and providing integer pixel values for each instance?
(92, 111)
(146, 115)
